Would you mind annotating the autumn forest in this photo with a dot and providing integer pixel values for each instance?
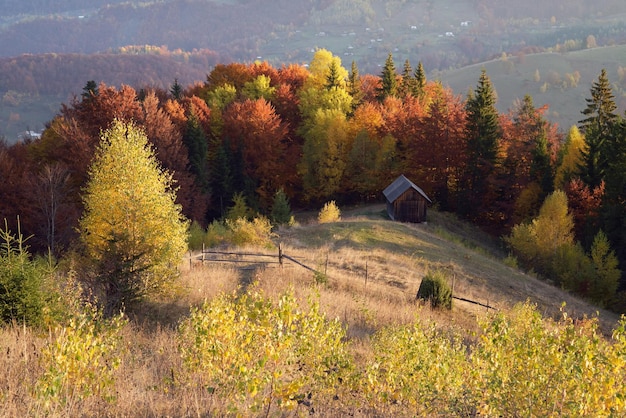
(325, 132)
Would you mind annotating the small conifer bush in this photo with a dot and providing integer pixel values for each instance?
(240, 208)
(195, 236)
(281, 210)
(22, 280)
(435, 288)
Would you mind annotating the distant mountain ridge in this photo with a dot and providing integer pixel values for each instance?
(52, 48)
(286, 30)
(62, 74)
(233, 28)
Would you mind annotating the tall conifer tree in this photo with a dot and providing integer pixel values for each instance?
(604, 160)
(613, 210)
(532, 123)
(354, 86)
(389, 84)
(482, 135)
(598, 128)
(197, 147)
(420, 80)
(407, 86)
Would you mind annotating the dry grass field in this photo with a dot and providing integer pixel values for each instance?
(372, 270)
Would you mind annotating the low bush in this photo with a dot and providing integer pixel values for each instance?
(435, 288)
(80, 362)
(195, 236)
(416, 371)
(258, 231)
(524, 362)
(217, 233)
(329, 213)
(255, 356)
(240, 232)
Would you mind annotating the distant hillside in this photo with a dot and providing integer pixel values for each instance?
(32, 87)
(442, 34)
(235, 28)
(562, 81)
(61, 74)
(52, 48)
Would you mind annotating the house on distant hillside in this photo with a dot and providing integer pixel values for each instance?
(405, 201)
(28, 136)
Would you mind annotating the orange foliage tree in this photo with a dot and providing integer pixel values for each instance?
(445, 153)
(258, 134)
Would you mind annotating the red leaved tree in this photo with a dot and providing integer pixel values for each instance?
(257, 132)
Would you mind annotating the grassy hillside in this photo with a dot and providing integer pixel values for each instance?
(546, 77)
(398, 255)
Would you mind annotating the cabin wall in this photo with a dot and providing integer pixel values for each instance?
(409, 207)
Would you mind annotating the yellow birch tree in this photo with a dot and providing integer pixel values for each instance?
(131, 226)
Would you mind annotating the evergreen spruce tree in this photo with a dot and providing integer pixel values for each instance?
(22, 278)
(540, 168)
(420, 80)
(176, 90)
(389, 84)
(482, 135)
(197, 148)
(604, 160)
(239, 209)
(598, 128)
(407, 86)
(541, 171)
(354, 86)
(90, 90)
(222, 181)
(281, 210)
(333, 79)
(613, 210)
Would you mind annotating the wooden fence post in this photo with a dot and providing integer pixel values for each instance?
(326, 266)
(280, 255)
(453, 282)
(365, 274)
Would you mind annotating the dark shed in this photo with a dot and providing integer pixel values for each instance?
(405, 201)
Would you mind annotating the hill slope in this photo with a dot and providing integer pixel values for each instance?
(560, 80)
(395, 256)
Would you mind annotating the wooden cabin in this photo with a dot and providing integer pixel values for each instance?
(405, 201)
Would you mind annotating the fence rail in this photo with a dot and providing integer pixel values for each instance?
(281, 257)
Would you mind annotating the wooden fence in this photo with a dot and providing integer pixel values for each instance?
(216, 256)
(280, 258)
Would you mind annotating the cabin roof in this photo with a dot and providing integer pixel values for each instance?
(401, 185)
